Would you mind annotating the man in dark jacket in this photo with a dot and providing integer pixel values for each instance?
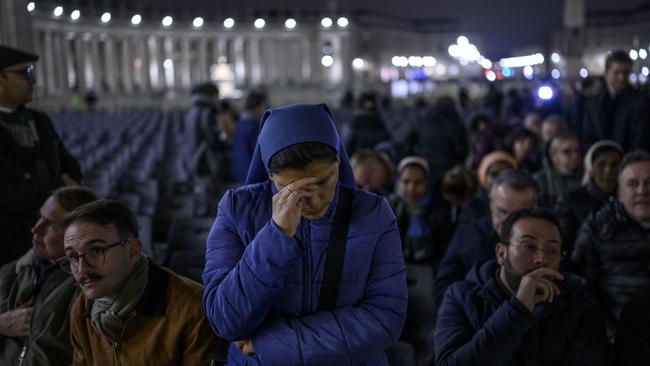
(612, 249)
(246, 132)
(367, 128)
(36, 295)
(475, 242)
(33, 161)
(619, 112)
(440, 137)
(632, 345)
(519, 310)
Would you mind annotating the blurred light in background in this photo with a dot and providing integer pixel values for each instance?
(555, 57)
(327, 61)
(31, 7)
(490, 75)
(415, 61)
(342, 22)
(106, 17)
(634, 55)
(136, 19)
(197, 22)
(259, 23)
(75, 15)
(555, 74)
(358, 63)
(521, 61)
(290, 23)
(326, 22)
(229, 23)
(167, 21)
(58, 11)
(429, 61)
(545, 92)
(528, 72)
(584, 73)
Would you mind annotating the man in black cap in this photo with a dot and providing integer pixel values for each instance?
(33, 160)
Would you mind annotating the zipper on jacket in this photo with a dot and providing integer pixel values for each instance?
(116, 345)
(23, 353)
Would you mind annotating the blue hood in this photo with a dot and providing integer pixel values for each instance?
(295, 124)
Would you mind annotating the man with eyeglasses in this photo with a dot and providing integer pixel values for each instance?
(36, 295)
(518, 309)
(132, 312)
(33, 160)
(613, 247)
(474, 242)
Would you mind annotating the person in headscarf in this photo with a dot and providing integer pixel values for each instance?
(268, 287)
(488, 170)
(410, 202)
(599, 185)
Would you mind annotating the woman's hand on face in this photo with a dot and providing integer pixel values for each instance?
(287, 205)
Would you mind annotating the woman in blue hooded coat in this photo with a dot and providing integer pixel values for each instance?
(267, 252)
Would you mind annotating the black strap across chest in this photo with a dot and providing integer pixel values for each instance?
(336, 252)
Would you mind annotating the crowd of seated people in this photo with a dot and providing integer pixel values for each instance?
(478, 233)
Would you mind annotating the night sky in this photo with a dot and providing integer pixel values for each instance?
(504, 24)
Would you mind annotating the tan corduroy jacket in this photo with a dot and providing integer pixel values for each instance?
(168, 327)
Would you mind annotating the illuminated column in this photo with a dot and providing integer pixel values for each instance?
(185, 74)
(154, 63)
(16, 25)
(48, 58)
(111, 72)
(80, 62)
(307, 61)
(255, 65)
(239, 61)
(60, 62)
(72, 78)
(574, 23)
(202, 60)
(96, 66)
(127, 65)
(222, 44)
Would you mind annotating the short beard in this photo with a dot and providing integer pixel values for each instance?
(512, 278)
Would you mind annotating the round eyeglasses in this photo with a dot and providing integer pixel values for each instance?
(93, 257)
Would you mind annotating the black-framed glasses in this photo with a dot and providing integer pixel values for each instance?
(93, 257)
(27, 71)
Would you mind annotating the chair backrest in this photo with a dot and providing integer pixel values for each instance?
(145, 234)
(189, 234)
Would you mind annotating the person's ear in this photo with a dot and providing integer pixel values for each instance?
(501, 252)
(136, 247)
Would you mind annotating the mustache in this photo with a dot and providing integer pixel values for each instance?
(89, 277)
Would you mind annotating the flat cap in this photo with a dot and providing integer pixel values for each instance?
(11, 56)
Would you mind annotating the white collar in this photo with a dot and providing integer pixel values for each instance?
(5, 110)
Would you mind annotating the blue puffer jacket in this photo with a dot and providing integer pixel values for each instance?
(255, 278)
(479, 324)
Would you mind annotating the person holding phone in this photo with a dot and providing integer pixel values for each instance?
(269, 250)
(519, 309)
